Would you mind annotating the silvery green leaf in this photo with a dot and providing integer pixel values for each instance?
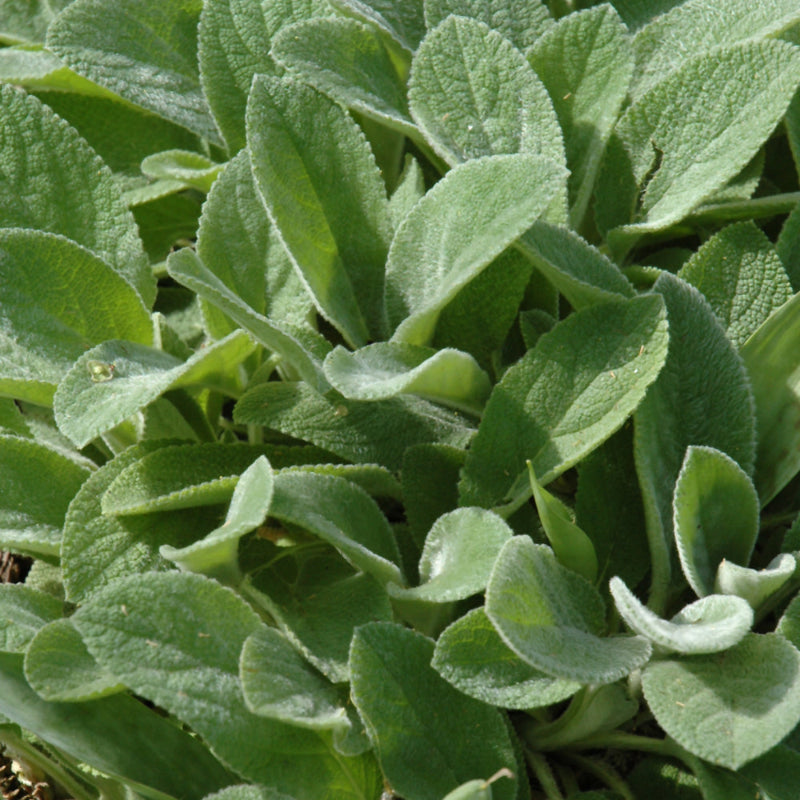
(715, 515)
(729, 707)
(755, 585)
(709, 625)
(554, 619)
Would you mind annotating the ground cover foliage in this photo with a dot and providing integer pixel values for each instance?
(401, 399)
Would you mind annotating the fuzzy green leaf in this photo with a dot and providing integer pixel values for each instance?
(215, 554)
(522, 22)
(38, 485)
(573, 548)
(117, 735)
(385, 369)
(189, 666)
(114, 380)
(350, 62)
(772, 358)
(755, 585)
(376, 432)
(564, 398)
(23, 612)
(715, 515)
(317, 603)
(145, 52)
(693, 27)
(407, 709)
(586, 64)
(58, 300)
(303, 350)
(322, 189)
(404, 23)
(279, 683)
(579, 271)
(710, 625)
(742, 278)
(554, 619)
(179, 476)
(471, 655)
(341, 514)
(237, 243)
(458, 556)
(473, 94)
(53, 181)
(679, 411)
(96, 548)
(663, 161)
(59, 667)
(234, 45)
(458, 228)
(730, 707)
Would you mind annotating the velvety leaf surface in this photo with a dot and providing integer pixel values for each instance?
(59, 667)
(403, 22)
(121, 134)
(471, 655)
(464, 222)
(24, 21)
(303, 351)
(573, 548)
(247, 792)
(473, 94)
(458, 556)
(328, 202)
(350, 62)
(674, 160)
(715, 516)
(96, 549)
(24, 611)
(755, 585)
(385, 369)
(189, 666)
(341, 514)
(731, 707)
(679, 411)
(771, 357)
(237, 243)
(407, 708)
(53, 181)
(114, 380)
(710, 625)
(280, 684)
(38, 484)
(577, 269)
(522, 22)
(215, 554)
(117, 735)
(234, 44)
(586, 63)
(741, 276)
(693, 27)
(563, 398)
(376, 432)
(145, 52)
(317, 603)
(45, 281)
(553, 618)
(177, 476)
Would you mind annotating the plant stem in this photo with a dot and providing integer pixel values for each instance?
(603, 772)
(544, 774)
(47, 765)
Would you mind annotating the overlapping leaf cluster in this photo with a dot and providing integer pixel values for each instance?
(401, 398)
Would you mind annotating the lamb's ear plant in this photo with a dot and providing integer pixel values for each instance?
(401, 400)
